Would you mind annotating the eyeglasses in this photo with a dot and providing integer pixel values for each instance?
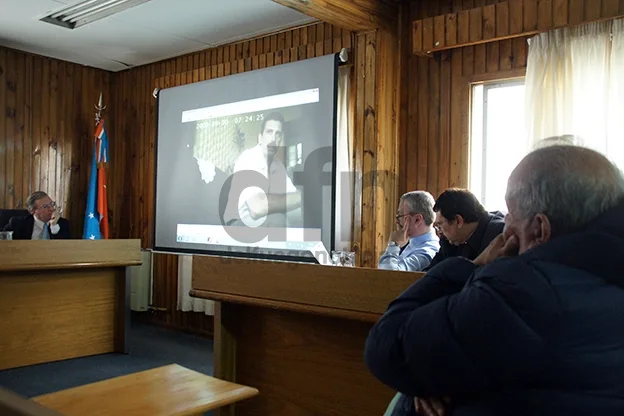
(399, 216)
(48, 205)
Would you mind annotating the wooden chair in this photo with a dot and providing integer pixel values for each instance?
(165, 391)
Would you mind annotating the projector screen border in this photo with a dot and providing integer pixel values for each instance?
(340, 59)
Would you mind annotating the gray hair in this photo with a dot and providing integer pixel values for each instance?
(32, 199)
(572, 185)
(420, 202)
(565, 139)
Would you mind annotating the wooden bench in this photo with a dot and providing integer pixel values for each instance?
(164, 391)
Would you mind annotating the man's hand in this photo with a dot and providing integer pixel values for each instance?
(501, 246)
(54, 219)
(399, 235)
(258, 205)
(431, 407)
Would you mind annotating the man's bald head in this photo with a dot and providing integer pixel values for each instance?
(569, 185)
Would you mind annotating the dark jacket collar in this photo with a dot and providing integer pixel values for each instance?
(489, 226)
(597, 249)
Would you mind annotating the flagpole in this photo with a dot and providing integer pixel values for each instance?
(102, 159)
(99, 107)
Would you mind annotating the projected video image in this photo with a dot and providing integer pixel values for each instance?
(231, 158)
(262, 136)
(266, 139)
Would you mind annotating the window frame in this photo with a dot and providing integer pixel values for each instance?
(489, 82)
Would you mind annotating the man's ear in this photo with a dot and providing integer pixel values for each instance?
(459, 220)
(545, 227)
(540, 229)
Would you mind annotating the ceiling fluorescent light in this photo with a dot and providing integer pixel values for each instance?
(88, 11)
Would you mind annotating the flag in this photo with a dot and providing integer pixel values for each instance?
(96, 214)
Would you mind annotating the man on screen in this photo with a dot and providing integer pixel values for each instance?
(255, 200)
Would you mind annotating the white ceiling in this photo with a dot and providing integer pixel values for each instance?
(149, 32)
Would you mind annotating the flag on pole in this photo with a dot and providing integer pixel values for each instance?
(96, 214)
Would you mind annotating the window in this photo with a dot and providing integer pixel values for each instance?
(498, 140)
(295, 155)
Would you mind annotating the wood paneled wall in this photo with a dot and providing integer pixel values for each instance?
(47, 118)
(505, 20)
(435, 151)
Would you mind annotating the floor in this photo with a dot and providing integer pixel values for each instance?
(150, 347)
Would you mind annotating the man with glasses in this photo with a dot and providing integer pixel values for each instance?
(413, 243)
(43, 223)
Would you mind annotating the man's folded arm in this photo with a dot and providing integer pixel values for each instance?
(64, 229)
(289, 201)
(460, 344)
(392, 260)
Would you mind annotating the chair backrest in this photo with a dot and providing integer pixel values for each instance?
(7, 214)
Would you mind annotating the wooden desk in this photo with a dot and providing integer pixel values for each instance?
(297, 332)
(164, 391)
(63, 299)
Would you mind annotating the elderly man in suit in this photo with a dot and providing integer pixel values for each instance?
(43, 223)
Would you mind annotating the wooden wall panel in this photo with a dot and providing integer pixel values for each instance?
(497, 20)
(46, 124)
(435, 151)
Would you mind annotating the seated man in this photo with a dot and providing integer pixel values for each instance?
(413, 243)
(43, 223)
(253, 205)
(535, 324)
(466, 228)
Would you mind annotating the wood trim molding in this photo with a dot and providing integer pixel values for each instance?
(287, 306)
(349, 14)
(68, 254)
(498, 76)
(506, 20)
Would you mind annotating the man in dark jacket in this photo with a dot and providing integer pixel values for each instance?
(535, 325)
(43, 223)
(466, 228)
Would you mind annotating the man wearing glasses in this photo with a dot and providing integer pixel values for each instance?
(413, 243)
(43, 223)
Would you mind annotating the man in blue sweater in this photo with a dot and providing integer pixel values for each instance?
(535, 324)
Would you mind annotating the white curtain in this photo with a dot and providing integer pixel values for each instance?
(575, 86)
(344, 162)
(185, 278)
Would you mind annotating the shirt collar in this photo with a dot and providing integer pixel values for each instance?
(38, 222)
(423, 238)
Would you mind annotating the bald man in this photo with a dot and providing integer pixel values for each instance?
(535, 324)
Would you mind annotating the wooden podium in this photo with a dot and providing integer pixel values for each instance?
(63, 299)
(296, 332)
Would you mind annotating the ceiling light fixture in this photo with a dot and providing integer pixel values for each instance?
(88, 11)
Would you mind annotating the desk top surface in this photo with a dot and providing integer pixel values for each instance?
(163, 391)
(17, 255)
